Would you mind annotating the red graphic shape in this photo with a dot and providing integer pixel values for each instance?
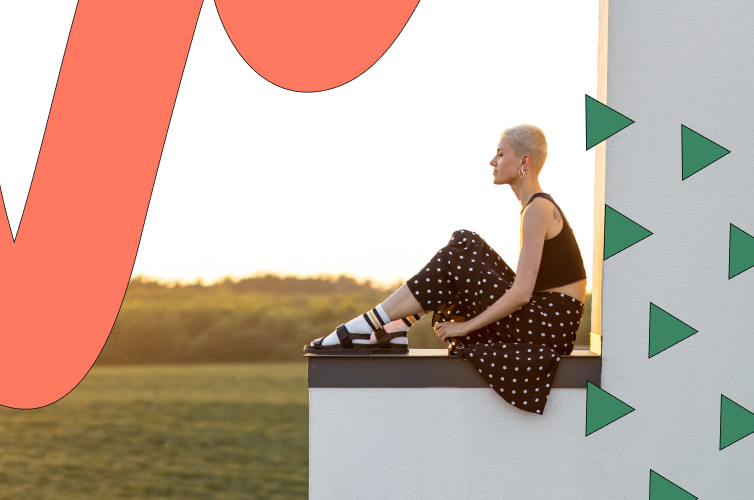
(63, 279)
(309, 46)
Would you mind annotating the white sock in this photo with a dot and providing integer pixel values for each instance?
(366, 323)
(402, 325)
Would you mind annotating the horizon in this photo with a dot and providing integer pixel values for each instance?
(263, 274)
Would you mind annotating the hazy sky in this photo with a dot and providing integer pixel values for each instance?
(368, 179)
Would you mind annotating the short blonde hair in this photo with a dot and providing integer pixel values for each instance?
(528, 139)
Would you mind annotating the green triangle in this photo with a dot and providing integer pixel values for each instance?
(736, 422)
(662, 489)
(621, 232)
(602, 408)
(741, 252)
(665, 330)
(698, 152)
(602, 122)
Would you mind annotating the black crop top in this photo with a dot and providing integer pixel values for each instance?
(561, 259)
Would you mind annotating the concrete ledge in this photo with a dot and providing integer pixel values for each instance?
(432, 368)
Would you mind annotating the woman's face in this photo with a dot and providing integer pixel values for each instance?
(505, 163)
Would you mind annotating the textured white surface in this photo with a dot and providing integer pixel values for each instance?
(673, 63)
(443, 443)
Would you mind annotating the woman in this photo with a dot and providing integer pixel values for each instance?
(513, 327)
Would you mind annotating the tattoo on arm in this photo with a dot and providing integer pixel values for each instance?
(555, 214)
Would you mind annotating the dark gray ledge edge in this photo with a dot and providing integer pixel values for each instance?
(432, 368)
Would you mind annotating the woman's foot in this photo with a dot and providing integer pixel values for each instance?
(349, 343)
(390, 338)
(401, 326)
(367, 323)
(359, 326)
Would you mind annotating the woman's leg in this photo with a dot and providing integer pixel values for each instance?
(401, 304)
(450, 279)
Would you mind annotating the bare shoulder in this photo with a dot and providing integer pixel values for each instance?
(542, 211)
(539, 208)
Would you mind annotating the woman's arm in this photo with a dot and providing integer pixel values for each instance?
(536, 219)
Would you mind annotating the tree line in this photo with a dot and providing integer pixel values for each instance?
(262, 318)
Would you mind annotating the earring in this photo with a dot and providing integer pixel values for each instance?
(521, 171)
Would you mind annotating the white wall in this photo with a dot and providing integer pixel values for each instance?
(673, 63)
(444, 443)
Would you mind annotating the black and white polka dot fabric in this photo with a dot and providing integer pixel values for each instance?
(519, 354)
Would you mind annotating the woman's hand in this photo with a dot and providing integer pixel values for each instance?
(446, 330)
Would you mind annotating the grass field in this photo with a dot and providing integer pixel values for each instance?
(143, 432)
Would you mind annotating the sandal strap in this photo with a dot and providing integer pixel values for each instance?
(384, 338)
(344, 336)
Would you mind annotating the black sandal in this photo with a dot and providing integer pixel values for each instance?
(347, 347)
(384, 346)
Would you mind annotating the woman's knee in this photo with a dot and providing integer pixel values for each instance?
(462, 238)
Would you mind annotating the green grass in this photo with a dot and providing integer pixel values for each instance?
(191, 431)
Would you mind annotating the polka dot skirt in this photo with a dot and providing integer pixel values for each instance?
(517, 355)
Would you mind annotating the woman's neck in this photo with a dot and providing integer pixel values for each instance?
(524, 191)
